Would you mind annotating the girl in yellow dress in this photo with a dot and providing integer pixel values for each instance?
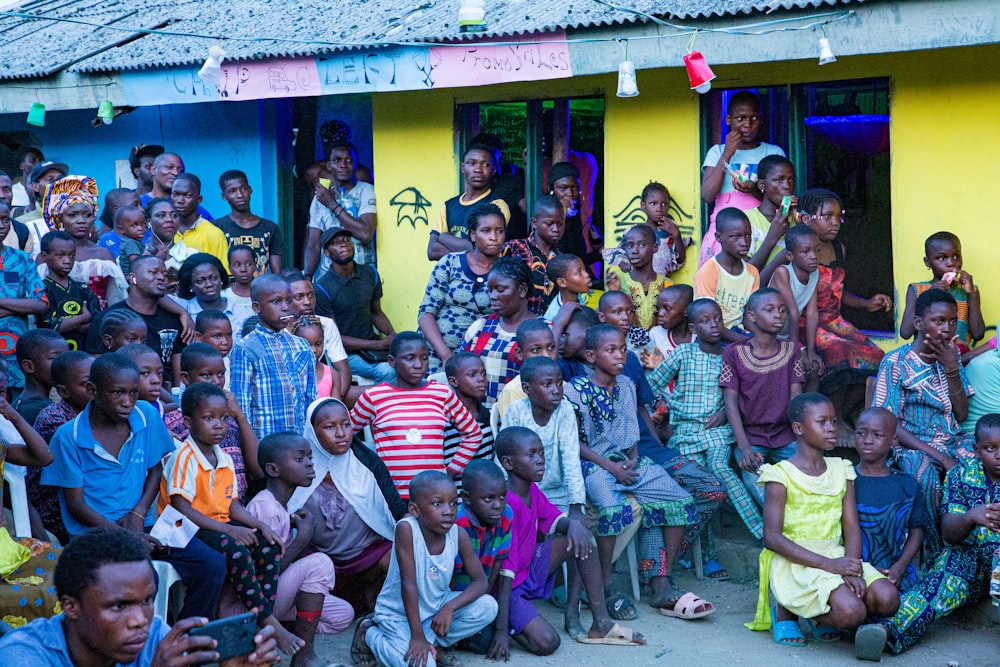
(812, 560)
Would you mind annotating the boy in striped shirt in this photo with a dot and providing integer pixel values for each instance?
(409, 416)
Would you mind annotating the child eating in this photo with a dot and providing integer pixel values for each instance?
(812, 557)
(416, 609)
(943, 256)
(728, 278)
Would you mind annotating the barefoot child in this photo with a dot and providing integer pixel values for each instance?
(199, 481)
(467, 378)
(70, 303)
(890, 509)
(758, 378)
(728, 278)
(534, 564)
(797, 284)
(605, 406)
(641, 283)
(943, 256)
(534, 339)
(306, 579)
(697, 407)
(309, 328)
(573, 283)
(409, 416)
(416, 609)
(812, 560)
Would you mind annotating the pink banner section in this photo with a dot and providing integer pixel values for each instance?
(484, 63)
(263, 79)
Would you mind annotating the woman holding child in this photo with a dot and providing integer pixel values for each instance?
(356, 499)
(456, 294)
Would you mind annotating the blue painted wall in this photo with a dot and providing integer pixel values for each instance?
(210, 137)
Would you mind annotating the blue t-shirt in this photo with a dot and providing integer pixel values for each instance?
(111, 486)
(42, 643)
(888, 509)
(113, 242)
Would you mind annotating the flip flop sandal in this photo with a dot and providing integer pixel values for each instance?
(826, 634)
(689, 607)
(620, 606)
(361, 655)
(713, 571)
(618, 635)
(869, 642)
(786, 633)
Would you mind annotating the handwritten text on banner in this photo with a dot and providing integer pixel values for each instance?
(482, 63)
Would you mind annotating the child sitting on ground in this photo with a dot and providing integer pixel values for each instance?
(534, 339)
(943, 256)
(641, 283)
(533, 564)
(466, 375)
(797, 284)
(416, 609)
(70, 373)
(409, 415)
(697, 407)
(812, 557)
(130, 225)
(672, 251)
(307, 577)
(573, 283)
(198, 481)
(242, 267)
(309, 328)
(605, 406)
(70, 303)
(728, 278)
(758, 378)
(890, 510)
(214, 328)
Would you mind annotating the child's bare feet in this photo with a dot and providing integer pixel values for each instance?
(288, 643)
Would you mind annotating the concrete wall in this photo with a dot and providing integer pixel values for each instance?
(943, 108)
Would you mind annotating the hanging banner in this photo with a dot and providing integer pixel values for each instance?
(483, 63)
(384, 70)
(265, 79)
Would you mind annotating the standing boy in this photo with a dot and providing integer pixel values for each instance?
(242, 227)
(71, 304)
(196, 231)
(728, 278)
(273, 373)
(409, 415)
(759, 377)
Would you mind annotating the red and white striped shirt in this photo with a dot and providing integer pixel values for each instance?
(408, 428)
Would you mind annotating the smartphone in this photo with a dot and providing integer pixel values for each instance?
(234, 635)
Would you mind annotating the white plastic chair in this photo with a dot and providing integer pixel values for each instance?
(495, 420)
(440, 377)
(14, 476)
(360, 381)
(167, 577)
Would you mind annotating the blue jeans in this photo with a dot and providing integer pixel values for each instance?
(770, 456)
(203, 571)
(380, 372)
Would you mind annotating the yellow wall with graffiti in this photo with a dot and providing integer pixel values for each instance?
(943, 104)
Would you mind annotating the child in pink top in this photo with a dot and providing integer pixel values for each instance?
(310, 328)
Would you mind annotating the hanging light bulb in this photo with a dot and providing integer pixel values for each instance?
(825, 52)
(698, 71)
(211, 71)
(627, 86)
(106, 112)
(36, 114)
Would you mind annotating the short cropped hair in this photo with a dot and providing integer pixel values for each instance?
(424, 482)
(754, 301)
(188, 177)
(598, 333)
(585, 317)
(801, 404)
(91, 550)
(531, 368)
(402, 338)
(109, 366)
(264, 283)
(511, 439)
(941, 237)
(559, 265)
(478, 473)
(196, 394)
(274, 445)
(480, 212)
(208, 317)
(929, 298)
(990, 422)
(239, 247)
(730, 217)
(797, 234)
(125, 210)
(743, 97)
(232, 175)
(528, 327)
(62, 364)
(610, 296)
(50, 237)
(136, 351)
(685, 292)
(455, 362)
(197, 353)
(546, 204)
(769, 164)
(33, 342)
(699, 305)
(343, 143)
(645, 230)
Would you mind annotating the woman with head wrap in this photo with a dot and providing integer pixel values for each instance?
(354, 501)
(70, 204)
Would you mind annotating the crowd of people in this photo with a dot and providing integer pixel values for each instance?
(433, 484)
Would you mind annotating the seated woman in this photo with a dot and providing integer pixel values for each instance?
(456, 292)
(924, 384)
(358, 504)
(849, 358)
(26, 565)
(493, 337)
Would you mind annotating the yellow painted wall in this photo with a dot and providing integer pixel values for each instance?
(942, 135)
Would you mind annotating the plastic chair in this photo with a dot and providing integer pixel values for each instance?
(166, 577)
(440, 377)
(14, 476)
(495, 420)
(360, 381)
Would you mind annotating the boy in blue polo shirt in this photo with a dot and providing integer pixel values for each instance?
(107, 470)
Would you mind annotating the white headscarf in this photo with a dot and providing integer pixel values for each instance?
(352, 478)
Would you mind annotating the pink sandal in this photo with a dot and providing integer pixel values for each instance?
(689, 607)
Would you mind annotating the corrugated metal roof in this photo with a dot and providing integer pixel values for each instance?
(273, 28)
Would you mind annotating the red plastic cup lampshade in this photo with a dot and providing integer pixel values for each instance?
(698, 72)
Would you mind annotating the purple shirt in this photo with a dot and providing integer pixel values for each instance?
(528, 523)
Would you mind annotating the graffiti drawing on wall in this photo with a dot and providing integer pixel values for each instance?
(631, 214)
(411, 206)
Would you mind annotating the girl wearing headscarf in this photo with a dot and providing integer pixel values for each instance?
(355, 501)
(70, 204)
